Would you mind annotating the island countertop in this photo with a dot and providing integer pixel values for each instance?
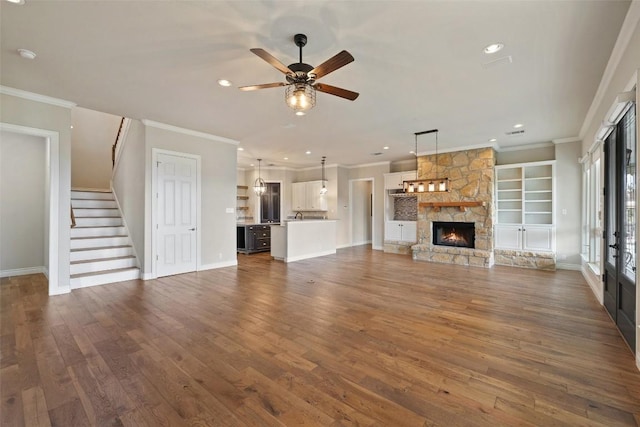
(295, 240)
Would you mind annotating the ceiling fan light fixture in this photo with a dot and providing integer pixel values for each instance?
(300, 97)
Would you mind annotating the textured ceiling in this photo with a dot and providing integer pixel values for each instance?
(418, 65)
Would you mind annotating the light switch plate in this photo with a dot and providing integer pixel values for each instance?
(230, 210)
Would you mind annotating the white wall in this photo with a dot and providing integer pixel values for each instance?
(91, 139)
(524, 156)
(22, 201)
(129, 186)
(218, 174)
(568, 205)
(54, 118)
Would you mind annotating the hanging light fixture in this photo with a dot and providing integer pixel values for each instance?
(301, 97)
(259, 186)
(323, 190)
(435, 185)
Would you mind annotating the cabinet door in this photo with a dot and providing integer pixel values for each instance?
(250, 238)
(298, 196)
(509, 237)
(393, 181)
(409, 231)
(537, 238)
(315, 200)
(392, 231)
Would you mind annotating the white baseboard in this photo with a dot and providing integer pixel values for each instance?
(22, 271)
(45, 271)
(595, 285)
(348, 245)
(231, 263)
(59, 291)
(148, 276)
(567, 266)
(307, 256)
(377, 248)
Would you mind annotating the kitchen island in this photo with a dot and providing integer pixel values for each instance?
(302, 239)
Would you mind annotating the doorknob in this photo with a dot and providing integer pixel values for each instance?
(192, 229)
(614, 246)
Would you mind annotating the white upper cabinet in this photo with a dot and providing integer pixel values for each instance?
(306, 196)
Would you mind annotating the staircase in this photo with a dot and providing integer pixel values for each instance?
(101, 251)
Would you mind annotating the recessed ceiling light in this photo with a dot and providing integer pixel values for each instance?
(412, 152)
(240, 149)
(385, 148)
(251, 164)
(286, 158)
(300, 113)
(71, 127)
(518, 125)
(493, 48)
(493, 140)
(224, 82)
(16, 1)
(307, 152)
(26, 54)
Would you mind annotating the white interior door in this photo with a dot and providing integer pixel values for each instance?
(177, 215)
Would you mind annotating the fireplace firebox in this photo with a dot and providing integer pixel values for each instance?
(458, 234)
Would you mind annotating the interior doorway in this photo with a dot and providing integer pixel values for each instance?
(51, 199)
(361, 202)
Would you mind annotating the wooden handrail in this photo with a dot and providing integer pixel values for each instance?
(113, 147)
(73, 218)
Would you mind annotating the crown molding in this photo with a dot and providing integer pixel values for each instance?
(567, 140)
(525, 147)
(189, 132)
(31, 96)
(624, 37)
(367, 165)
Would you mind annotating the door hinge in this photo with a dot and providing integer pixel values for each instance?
(157, 258)
(604, 234)
(157, 195)
(603, 277)
(158, 164)
(157, 226)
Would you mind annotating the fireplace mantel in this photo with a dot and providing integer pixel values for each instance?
(460, 205)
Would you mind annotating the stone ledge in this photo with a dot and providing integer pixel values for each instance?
(453, 250)
(396, 247)
(526, 259)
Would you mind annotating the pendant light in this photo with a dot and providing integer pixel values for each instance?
(259, 186)
(435, 185)
(323, 190)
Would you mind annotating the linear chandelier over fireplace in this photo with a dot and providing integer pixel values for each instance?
(433, 185)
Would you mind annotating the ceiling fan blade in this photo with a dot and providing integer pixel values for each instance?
(263, 86)
(340, 60)
(271, 60)
(337, 91)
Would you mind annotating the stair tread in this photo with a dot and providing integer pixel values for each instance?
(91, 191)
(98, 216)
(99, 273)
(98, 237)
(100, 248)
(85, 261)
(98, 226)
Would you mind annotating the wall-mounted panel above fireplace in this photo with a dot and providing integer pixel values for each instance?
(458, 234)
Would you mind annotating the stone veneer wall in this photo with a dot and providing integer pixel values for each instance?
(471, 179)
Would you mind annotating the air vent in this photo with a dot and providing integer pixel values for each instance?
(505, 60)
(376, 154)
(515, 132)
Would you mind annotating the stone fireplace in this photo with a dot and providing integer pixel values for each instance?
(470, 176)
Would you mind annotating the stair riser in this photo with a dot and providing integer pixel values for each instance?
(103, 204)
(90, 267)
(96, 212)
(91, 195)
(83, 282)
(97, 222)
(98, 231)
(100, 253)
(99, 242)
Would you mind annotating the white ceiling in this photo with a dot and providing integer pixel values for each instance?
(418, 65)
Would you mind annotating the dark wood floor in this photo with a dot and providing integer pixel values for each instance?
(360, 338)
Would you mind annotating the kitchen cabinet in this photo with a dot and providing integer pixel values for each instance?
(253, 238)
(525, 206)
(400, 231)
(306, 196)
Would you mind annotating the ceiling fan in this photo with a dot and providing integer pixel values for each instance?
(302, 78)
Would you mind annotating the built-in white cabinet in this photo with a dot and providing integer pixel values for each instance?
(393, 181)
(525, 206)
(306, 196)
(400, 231)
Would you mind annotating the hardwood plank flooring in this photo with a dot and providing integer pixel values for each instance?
(361, 338)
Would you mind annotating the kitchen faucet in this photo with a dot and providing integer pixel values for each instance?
(298, 213)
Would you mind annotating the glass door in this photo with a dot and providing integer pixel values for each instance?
(620, 226)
